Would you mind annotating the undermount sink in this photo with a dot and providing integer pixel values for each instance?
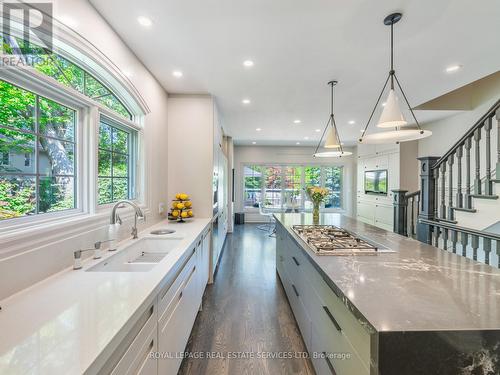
(140, 256)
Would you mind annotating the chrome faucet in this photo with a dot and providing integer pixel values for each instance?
(138, 213)
(97, 254)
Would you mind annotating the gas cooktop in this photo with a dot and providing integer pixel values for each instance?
(331, 240)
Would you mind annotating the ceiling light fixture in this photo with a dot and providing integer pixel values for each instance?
(254, 143)
(453, 68)
(392, 116)
(297, 143)
(246, 101)
(258, 129)
(306, 138)
(248, 63)
(317, 130)
(177, 74)
(352, 122)
(297, 121)
(332, 139)
(144, 21)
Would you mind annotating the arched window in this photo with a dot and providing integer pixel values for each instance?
(69, 143)
(63, 71)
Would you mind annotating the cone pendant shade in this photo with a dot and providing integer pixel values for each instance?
(392, 116)
(331, 139)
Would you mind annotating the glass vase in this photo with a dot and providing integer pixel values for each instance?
(315, 213)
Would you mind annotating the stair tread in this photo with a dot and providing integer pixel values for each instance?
(484, 196)
(471, 210)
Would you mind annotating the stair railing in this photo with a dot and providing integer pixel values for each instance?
(406, 211)
(443, 193)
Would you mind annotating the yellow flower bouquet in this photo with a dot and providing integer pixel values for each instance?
(316, 195)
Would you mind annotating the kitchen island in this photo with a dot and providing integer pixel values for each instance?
(415, 310)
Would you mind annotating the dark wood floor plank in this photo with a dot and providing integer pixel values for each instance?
(246, 311)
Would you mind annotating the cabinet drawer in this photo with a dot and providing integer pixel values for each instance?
(328, 362)
(175, 325)
(166, 296)
(299, 311)
(136, 359)
(333, 309)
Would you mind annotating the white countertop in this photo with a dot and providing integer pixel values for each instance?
(64, 323)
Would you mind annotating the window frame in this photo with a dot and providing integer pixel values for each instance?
(88, 113)
(283, 167)
(37, 218)
(133, 135)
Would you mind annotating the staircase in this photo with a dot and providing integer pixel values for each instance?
(458, 203)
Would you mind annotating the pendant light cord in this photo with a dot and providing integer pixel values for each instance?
(392, 76)
(392, 72)
(331, 119)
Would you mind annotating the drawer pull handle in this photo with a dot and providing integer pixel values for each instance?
(295, 290)
(296, 261)
(329, 363)
(332, 318)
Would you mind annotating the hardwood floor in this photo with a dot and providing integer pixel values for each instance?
(246, 314)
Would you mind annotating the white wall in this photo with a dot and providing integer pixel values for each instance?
(191, 150)
(292, 155)
(449, 130)
(32, 256)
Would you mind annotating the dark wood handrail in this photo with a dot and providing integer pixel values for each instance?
(468, 134)
(474, 232)
(411, 195)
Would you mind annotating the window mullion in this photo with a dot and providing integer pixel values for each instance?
(37, 154)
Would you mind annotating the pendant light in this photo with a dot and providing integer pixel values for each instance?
(332, 139)
(392, 116)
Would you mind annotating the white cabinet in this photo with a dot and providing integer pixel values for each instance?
(166, 324)
(401, 164)
(327, 326)
(137, 358)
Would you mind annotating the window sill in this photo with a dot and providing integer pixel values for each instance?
(20, 238)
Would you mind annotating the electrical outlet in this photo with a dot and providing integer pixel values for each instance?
(161, 208)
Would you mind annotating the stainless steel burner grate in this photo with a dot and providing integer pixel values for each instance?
(331, 240)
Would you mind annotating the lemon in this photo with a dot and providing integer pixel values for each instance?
(183, 196)
(190, 213)
(180, 206)
(188, 204)
(177, 196)
(184, 214)
(174, 205)
(175, 213)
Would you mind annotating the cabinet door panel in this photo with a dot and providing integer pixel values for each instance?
(174, 329)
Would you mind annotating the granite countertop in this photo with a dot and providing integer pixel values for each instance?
(70, 322)
(416, 288)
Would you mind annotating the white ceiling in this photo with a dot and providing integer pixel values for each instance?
(298, 46)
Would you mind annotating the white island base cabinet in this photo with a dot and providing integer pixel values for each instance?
(156, 342)
(336, 341)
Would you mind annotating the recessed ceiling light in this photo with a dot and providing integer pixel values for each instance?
(383, 104)
(297, 143)
(297, 121)
(361, 130)
(246, 101)
(254, 143)
(258, 129)
(453, 68)
(144, 21)
(248, 63)
(306, 138)
(177, 74)
(352, 122)
(317, 130)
